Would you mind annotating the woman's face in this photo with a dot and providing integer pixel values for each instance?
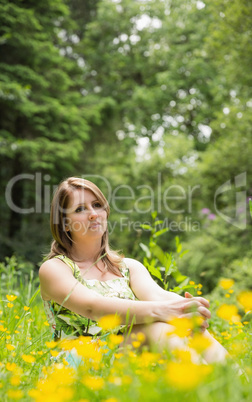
(86, 216)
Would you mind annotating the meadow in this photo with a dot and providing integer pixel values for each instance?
(35, 368)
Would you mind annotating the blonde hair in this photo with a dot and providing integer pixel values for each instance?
(62, 243)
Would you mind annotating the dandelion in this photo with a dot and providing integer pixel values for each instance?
(11, 297)
(94, 383)
(9, 346)
(136, 344)
(115, 339)
(182, 327)
(28, 358)
(10, 305)
(110, 400)
(26, 308)
(15, 393)
(199, 342)
(228, 312)
(51, 344)
(186, 375)
(54, 353)
(11, 366)
(15, 380)
(226, 283)
(245, 299)
(110, 321)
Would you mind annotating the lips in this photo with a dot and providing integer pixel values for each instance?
(95, 225)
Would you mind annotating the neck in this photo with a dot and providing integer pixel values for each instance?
(86, 253)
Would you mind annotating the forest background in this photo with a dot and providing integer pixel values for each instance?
(152, 101)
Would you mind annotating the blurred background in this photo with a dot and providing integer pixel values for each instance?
(152, 101)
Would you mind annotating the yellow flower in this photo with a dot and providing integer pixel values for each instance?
(110, 400)
(191, 283)
(26, 308)
(136, 344)
(11, 297)
(11, 366)
(227, 295)
(245, 299)
(115, 339)
(15, 393)
(8, 337)
(141, 337)
(17, 317)
(54, 353)
(110, 321)
(28, 358)
(182, 327)
(9, 346)
(199, 342)
(228, 312)
(94, 383)
(10, 305)
(226, 283)
(46, 323)
(186, 375)
(51, 344)
(2, 328)
(15, 380)
(199, 292)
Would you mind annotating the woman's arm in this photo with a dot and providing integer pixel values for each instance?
(145, 288)
(59, 284)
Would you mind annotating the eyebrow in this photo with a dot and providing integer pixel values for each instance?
(83, 203)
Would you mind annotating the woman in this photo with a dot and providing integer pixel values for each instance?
(83, 279)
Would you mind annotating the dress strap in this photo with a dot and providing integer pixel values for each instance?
(70, 263)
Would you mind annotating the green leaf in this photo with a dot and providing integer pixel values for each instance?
(146, 227)
(154, 272)
(158, 223)
(160, 232)
(250, 207)
(154, 215)
(145, 249)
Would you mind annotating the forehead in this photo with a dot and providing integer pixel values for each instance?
(81, 196)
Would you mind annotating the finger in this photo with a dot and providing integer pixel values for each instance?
(203, 301)
(204, 311)
(188, 295)
(191, 305)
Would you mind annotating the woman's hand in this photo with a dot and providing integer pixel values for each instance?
(204, 303)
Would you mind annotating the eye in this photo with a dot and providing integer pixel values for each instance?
(80, 208)
(97, 204)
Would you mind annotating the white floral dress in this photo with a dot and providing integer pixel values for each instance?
(65, 322)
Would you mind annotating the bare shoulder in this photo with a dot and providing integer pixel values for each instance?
(134, 265)
(52, 267)
(53, 271)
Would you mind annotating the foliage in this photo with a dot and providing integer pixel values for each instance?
(156, 256)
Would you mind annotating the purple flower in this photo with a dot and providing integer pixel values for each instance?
(211, 217)
(205, 211)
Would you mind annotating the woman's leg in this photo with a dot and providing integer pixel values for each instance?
(157, 336)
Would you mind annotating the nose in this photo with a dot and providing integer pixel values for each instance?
(92, 214)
